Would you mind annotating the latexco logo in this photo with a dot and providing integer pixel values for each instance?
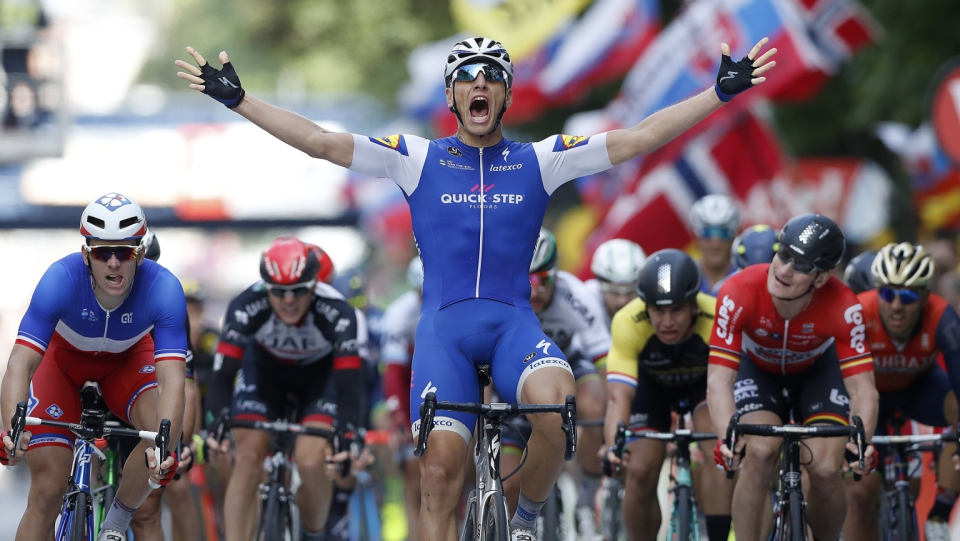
(511, 167)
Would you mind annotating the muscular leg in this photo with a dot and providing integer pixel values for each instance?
(509, 460)
(441, 480)
(863, 501)
(826, 495)
(547, 441)
(591, 404)
(316, 487)
(133, 488)
(146, 523)
(180, 499)
(641, 510)
(411, 496)
(716, 491)
(49, 469)
(240, 503)
(753, 482)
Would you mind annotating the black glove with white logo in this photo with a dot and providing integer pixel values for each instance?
(222, 84)
(733, 77)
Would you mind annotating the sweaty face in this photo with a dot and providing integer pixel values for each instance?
(479, 103)
(900, 319)
(716, 252)
(113, 277)
(786, 283)
(672, 324)
(289, 308)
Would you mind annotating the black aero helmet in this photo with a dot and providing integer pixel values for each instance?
(757, 244)
(668, 277)
(813, 238)
(857, 275)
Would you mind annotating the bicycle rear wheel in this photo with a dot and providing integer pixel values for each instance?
(493, 519)
(78, 519)
(104, 501)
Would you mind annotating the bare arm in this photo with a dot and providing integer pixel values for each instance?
(663, 126)
(286, 126)
(864, 399)
(720, 381)
(15, 387)
(170, 385)
(619, 398)
(191, 401)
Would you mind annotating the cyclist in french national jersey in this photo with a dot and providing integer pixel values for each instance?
(286, 335)
(615, 266)
(477, 201)
(570, 317)
(658, 358)
(790, 327)
(91, 319)
(907, 326)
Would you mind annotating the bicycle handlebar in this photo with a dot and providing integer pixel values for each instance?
(672, 436)
(107, 430)
(917, 438)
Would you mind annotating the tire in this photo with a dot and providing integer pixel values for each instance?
(904, 513)
(106, 499)
(78, 519)
(798, 529)
(552, 513)
(682, 509)
(611, 518)
(469, 531)
(493, 518)
(271, 521)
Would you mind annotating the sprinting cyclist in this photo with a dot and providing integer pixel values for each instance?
(91, 319)
(907, 327)
(615, 266)
(658, 358)
(570, 316)
(756, 244)
(396, 354)
(286, 335)
(791, 326)
(716, 221)
(477, 201)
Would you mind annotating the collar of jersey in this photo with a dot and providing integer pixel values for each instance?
(475, 151)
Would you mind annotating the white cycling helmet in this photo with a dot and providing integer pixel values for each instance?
(476, 50)
(415, 273)
(715, 215)
(618, 261)
(113, 216)
(545, 253)
(904, 264)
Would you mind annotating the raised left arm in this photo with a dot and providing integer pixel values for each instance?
(864, 399)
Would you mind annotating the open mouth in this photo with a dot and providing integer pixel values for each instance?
(114, 279)
(479, 110)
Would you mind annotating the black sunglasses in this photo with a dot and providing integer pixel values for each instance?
(298, 290)
(800, 264)
(104, 253)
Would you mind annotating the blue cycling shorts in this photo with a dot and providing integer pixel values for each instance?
(454, 341)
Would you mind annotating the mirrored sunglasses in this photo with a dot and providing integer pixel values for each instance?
(717, 232)
(490, 72)
(907, 296)
(297, 290)
(801, 265)
(104, 253)
(543, 279)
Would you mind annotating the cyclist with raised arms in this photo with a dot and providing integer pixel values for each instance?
(716, 221)
(477, 201)
(91, 319)
(658, 358)
(907, 327)
(756, 244)
(791, 327)
(573, 320)
(615, 266)
(287, 334)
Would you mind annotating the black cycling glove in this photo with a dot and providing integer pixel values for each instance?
(733, 77)
(222, 84)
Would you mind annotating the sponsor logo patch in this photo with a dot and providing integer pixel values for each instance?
(54, 411)
(566, 142)
(394, 142)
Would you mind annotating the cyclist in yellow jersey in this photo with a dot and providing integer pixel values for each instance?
(659, 357)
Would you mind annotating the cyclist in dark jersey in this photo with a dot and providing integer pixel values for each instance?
(477, 201)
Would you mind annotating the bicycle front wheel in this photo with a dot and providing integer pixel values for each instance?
(78, 519)
(798, 527)
(681, 519)
(493, 519)
(273, 518)
(904, 530)
(611, 518)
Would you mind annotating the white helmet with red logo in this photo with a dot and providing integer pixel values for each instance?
(113, 216)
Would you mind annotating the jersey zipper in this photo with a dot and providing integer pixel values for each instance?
(480, 198)
(106, 327)
(783, 352)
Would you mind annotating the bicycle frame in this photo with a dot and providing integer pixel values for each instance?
(83, 453)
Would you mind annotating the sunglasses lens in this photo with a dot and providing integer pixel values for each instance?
(104, 253)
(542, 279)
(716, 232)
(298, 291)
(799, 264)
(490, 73)
(907, 296)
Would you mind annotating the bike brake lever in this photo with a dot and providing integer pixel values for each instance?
(569, 416)
(427, 411)
(731, 442)
(17, 423)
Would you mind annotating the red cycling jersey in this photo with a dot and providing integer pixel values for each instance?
(899, 365)
(746, 320)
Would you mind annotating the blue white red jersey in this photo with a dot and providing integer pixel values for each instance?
(477, 211)
(64, 303)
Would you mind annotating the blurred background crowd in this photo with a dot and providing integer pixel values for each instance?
(860, 122)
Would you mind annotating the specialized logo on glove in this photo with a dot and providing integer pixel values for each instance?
(734, 77)
(223, 84)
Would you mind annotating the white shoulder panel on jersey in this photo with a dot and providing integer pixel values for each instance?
(397, 157)
(563, 158)
(327, 291)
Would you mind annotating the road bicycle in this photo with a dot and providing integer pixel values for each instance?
(789, 509)
(76, 519)
(486, 513)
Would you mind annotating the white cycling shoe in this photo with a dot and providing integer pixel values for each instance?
(521, 534)
(936, 530)
(111, 535)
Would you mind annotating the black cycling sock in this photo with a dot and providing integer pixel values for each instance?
(718, 527)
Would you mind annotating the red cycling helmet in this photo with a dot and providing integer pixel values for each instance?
(287, 261)
(327, 270)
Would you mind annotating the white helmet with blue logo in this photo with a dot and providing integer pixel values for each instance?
(113, 216)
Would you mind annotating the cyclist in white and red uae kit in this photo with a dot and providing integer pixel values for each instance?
(477, 201)
(791, 326)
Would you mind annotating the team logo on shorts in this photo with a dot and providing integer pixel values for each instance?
(54, 411)
(148, 369)
(113, 201)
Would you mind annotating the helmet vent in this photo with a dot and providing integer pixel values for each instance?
(663, 279)
(129, 221)
(96, 222)
(809, 232)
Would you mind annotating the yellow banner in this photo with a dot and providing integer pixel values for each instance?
(521, 25)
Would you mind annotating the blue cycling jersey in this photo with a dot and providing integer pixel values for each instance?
(477, 211)
(64, 303)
